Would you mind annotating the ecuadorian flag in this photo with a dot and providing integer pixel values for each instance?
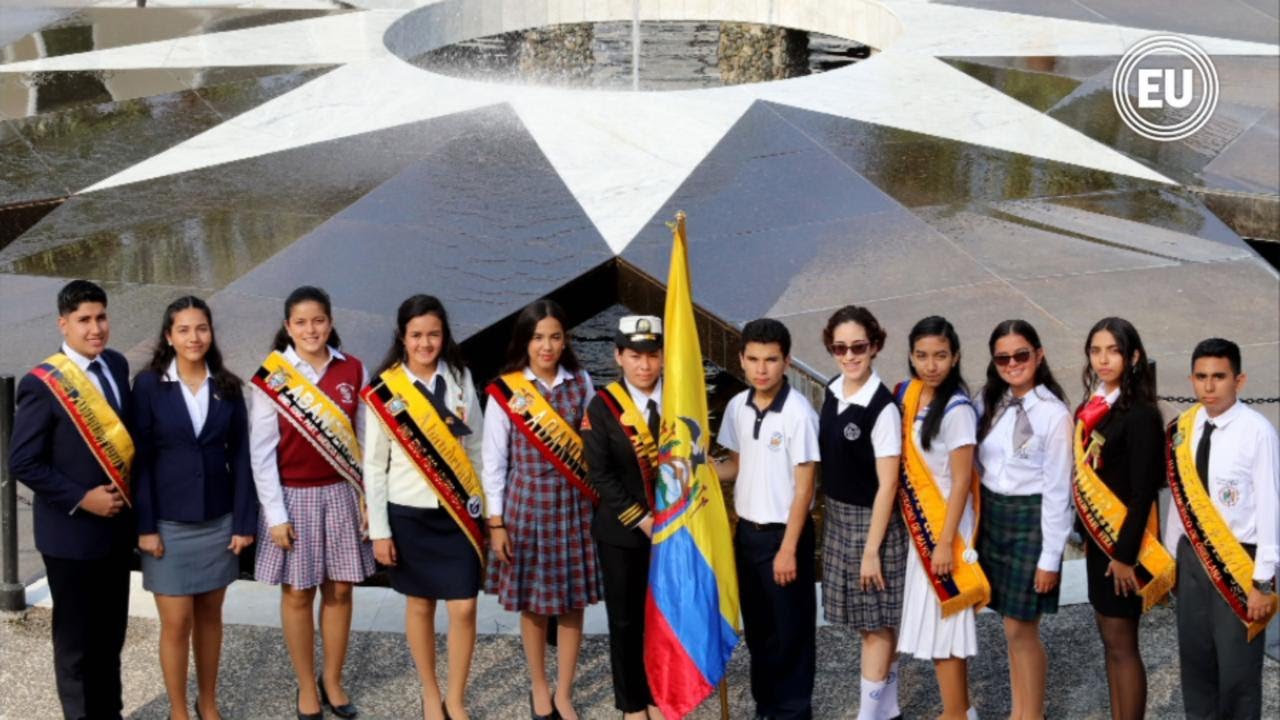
(691, 612)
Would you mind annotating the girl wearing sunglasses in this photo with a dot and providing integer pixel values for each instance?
(1024, 450)
(864, 554)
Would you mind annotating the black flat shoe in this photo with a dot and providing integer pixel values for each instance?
(346, 711)
(297, 696)
(553, 715)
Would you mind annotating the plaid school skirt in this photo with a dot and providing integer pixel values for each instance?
(1009, 542)
(329, 543)
(844, 602)
(553, 568)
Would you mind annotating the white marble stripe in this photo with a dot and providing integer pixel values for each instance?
(926, 95)
(950, 30)
(624, 154)
(333, 39)
(350, 100)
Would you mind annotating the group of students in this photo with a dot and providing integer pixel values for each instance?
(937, 503)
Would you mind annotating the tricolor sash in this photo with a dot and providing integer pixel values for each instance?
(102, 429)
(416, 426)
(313, 414)
(925, 510)
(1102, 515)
(554, 438)
(643, 443)
(1225, 561)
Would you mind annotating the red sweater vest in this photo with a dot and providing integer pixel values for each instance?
(301, 465)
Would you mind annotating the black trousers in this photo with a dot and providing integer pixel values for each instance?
(1221, 671)
(90, 613)
(780, 622)
(626, 583)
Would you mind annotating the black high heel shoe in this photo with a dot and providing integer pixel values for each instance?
(345, 711)
(297, 697)
(553, 715)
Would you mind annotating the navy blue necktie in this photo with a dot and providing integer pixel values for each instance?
(95, 367)
(1202, 453)
(655, 423)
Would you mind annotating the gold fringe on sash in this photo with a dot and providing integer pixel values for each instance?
(925, 511)
(1103, 514)
(1225, 561)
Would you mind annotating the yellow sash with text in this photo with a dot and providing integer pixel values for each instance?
(313, 414)
(645, 446)
(554, 438)
(1225, 560)
(416, 426)
(1102, 515)
(925, 510)
(102, 429)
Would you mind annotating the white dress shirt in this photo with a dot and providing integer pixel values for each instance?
(83, 363)
(264, 436)
(389, 474)
(1244, 483)
(1043, 466)
(496, 427)
(886, 434)
(198, 403)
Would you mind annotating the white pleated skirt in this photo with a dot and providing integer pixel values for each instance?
(924, 633)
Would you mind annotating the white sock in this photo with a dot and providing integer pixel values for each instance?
(972, 714)
(889, 699)
(872, 692)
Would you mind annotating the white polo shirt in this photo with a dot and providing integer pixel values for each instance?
(769, 445)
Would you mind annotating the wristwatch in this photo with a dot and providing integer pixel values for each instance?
(1267, 587)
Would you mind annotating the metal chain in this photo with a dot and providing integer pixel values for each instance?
(1179, 400)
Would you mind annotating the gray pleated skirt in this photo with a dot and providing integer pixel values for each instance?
(196, 559)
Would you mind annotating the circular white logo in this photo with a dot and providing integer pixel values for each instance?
(852, 432)
(1176, 87)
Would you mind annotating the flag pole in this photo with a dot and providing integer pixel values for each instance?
(724, 699)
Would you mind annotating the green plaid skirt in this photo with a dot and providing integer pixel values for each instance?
(1009, 544)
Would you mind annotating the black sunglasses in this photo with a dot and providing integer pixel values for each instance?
(841, 349)
(1019, 357)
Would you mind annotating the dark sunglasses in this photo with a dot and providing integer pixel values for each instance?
(841, 349)
(1019, 357)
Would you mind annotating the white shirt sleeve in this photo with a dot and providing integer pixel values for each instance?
(474, 443)
(803, 446)
(886, 434)
(591, 390)
(959, 428)
(1266, 488)
(264, 437)
(1056, 511)
(377, 458)
(728, 437)
(361, 409)
(494, 457)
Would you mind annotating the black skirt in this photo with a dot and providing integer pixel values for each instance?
(1102, 588)
(434, 558)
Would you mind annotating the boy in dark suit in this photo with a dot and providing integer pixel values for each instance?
(78, 469)
(620, 444)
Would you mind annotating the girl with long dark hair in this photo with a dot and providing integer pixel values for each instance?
(193, 495)
(864, 549)
(1122, 446)
(304, 436)
(938, 452)
(1025, 453)
(543, 560)
(421, 463)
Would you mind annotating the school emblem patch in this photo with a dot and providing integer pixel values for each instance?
(775, 441)
(520, 402)
(348, 393)
(1229, 494)
(397, 405)
(276, 380)
(852, 432)
(473, 506)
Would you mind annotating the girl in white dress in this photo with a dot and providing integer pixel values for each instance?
(944, 432)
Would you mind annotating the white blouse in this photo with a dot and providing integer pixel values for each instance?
(197, 404)
(389, 474)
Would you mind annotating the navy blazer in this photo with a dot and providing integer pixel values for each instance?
(183, 477)
(49, 456)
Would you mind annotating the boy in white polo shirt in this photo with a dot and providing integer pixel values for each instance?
(772, 437)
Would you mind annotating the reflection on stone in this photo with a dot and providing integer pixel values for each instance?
(752, 53)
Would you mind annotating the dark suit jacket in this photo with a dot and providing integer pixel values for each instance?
(49, 456)
(614, 472)
(1133, 466)
(181, 477)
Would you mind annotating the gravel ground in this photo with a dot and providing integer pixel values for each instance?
(257, 681)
